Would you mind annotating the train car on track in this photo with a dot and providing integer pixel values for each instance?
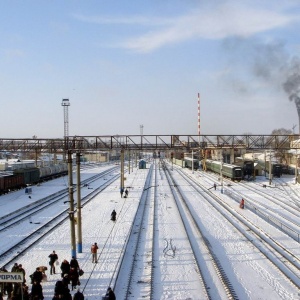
(21, 178)
(277, 168)
(233, 172)
(54, 171)
(10, 182)
(189, 162)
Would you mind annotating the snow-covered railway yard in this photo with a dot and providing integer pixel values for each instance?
(253, 269)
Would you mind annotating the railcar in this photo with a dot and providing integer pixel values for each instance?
(54, 171)
(20, 178)
(233, 172)
(248, 168)
(189, 162)
(10, 182)
(275, 167)
(31, 175)
(277, 170)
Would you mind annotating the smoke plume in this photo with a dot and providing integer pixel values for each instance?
(292, 84)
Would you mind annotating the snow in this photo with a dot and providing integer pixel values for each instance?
(252, 275)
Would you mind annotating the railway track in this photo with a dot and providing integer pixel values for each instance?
(35, 231)
(283, 259)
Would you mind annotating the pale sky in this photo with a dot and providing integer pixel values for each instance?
(125, 63)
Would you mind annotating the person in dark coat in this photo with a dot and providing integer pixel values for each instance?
(53, 258)
(66, 280)
(21, 270)
(37, 291)
(3, 284)
(37, 276)
(59, 287)
(113, 215)
(74, 263)
(74, 277)
(65, 268)
(126, 193)
(215, 186)
(78, 295)
(15, 268)
(110, 295)
(121, 191)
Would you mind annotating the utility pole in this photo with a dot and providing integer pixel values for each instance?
(296, 171)
(122, 169)
(71, 201)
(193, 161)
(221, 174)
(141, 131)
(79, 227)
(270, 170)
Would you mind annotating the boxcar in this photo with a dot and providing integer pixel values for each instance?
(31, 176)
(10, 182)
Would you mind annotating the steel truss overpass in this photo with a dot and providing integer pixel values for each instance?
(151, 143)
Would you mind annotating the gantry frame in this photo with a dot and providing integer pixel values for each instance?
(151, 143)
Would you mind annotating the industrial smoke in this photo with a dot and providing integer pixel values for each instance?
(292, 85)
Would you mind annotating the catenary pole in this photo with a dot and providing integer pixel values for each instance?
(71, 201)
(79, 226)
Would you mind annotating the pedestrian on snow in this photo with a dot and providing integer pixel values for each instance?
(242, 204)
(215, 186)
(66, 280)
(67, 295)
(15, 268)
(17, 291)
(37, 291)
(74, 263)
(37, 276)
(65, 267)
(121, 191)
(110, 295)
(126, 193)
(78, 295)
(53, 258)
(94, 249)
(74, 277)
(3, 284)
(59, 288)
(6, 287)
(21, 270)
(113, 215)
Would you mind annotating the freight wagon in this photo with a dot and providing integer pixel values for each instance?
(10, 182)
(23, 177)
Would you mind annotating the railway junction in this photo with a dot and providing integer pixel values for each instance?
(218, 252)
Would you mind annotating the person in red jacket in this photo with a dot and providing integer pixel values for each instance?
(94, 249)
(242, 204)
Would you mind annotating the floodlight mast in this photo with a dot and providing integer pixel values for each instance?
(65, 104)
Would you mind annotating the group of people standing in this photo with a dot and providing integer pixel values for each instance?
(123, 191)
(14, 291)
(70, 272)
